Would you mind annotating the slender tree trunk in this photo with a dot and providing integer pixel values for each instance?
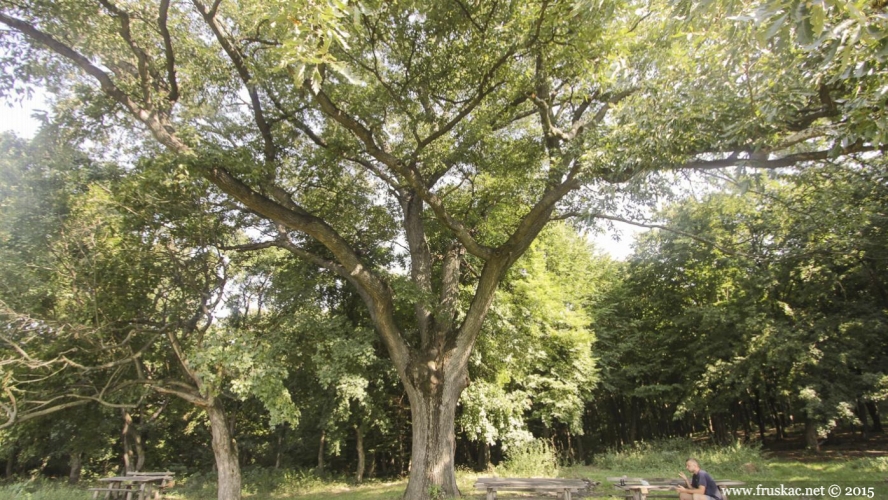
(633, 420)
(280, 446)
(433, 411)
(581, 450)
(225, 451)
(140, 450)
(874, 415)
(371, 473)
(321, 445)
(128, 465)
(861, 414)
(778, 423)
(359, 434)
(133, 448)
(10, 462)
(76, 463)
(759, 417)
(811, 439)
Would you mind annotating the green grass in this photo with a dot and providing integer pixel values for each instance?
(662, 459)
(743, 463)
(43, 490)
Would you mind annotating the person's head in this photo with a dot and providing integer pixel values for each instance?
(692, 465)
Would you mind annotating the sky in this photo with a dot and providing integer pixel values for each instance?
(16, 117)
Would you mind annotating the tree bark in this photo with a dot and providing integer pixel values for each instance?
(321, 445)
(371, 472)
(359, 434)
(225, 451)
(280, 446)
(133, 448)
(811, 439)
(433, 411)
(10, 462)
(125, 437)
(633, 420)
(759, 417)
(861, 414)
(874, 414)
(483, 456)
(76, 463)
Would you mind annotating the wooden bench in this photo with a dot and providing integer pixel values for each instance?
(167, 478)
(566, 487)
(135, 486)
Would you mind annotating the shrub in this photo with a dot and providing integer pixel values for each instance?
(530, 459)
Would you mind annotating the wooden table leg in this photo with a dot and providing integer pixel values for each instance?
(491, 494)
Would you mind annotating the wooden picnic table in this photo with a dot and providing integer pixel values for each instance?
(640, 488)
(564, 486)
(132, 487)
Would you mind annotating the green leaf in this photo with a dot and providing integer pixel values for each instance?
(774, 27)
(804, 29)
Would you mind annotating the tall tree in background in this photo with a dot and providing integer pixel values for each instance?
(123, 310)
(775, 287)
(459, 128)
(533, 368)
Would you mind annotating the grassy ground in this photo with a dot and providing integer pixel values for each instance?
(664, 459)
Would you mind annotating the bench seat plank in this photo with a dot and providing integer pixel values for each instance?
(565, 486)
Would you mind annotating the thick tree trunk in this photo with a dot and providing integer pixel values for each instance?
(433, 411)
(76, 463)
(719, 429)
(225, 451)
(483, 456)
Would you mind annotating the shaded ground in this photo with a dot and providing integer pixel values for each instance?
(842, 445)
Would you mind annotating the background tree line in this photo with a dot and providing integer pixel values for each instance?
(760, 308)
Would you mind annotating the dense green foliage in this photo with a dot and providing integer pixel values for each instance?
(756, 308)
(351, 236)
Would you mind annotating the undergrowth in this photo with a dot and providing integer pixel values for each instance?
(667, 458)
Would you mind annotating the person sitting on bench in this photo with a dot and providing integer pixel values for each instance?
(701, 486)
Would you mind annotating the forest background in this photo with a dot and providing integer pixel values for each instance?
(355, 237)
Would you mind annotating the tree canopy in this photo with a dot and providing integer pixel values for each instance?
(416, 150)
